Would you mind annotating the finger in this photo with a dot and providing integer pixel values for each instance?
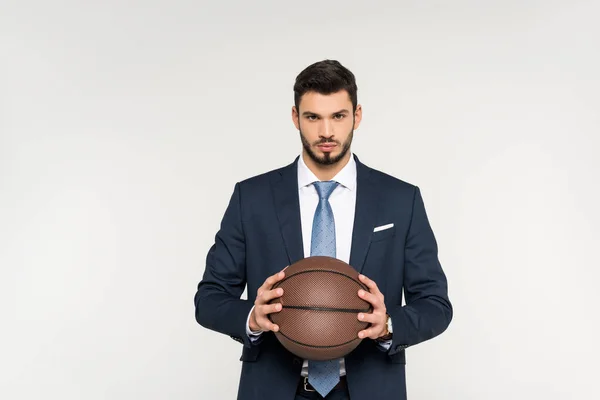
(273, 279)
(370, 318)
(373, 288)
(269, 308)
(263, 320)
(269, 295)
(371, 298)
(270, 281)
(266, 325)
(369, 333)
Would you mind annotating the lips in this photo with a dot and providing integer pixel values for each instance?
(327, 146)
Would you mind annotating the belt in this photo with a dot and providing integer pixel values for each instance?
(305, 386)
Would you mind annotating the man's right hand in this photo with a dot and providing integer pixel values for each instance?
(259, 320)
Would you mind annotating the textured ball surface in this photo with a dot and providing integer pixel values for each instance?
(320, 303)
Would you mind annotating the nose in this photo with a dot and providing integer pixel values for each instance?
(326, 130)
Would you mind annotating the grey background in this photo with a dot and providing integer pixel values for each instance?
(125, 125)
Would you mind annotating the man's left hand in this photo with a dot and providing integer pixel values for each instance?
(378, 318)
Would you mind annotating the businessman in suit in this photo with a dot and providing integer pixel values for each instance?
(326, 202)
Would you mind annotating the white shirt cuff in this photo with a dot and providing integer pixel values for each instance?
(385, 345)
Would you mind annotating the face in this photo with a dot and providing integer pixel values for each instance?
(326, 125)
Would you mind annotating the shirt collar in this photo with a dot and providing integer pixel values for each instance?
(346, 177)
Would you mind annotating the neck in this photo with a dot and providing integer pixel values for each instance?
(325, 172)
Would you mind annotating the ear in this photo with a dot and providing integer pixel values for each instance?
(295, 117)
(357, 116)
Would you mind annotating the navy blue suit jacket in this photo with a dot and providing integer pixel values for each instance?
(260, 234)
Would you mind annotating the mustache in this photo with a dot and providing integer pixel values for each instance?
(324, 141)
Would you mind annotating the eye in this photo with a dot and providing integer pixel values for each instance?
(338, 116)
(311, 117)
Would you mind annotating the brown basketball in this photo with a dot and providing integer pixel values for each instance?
(320, 304)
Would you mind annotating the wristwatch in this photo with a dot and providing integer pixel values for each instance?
(388, 331)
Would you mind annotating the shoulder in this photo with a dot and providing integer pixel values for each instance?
(260, 182)
(388, 183)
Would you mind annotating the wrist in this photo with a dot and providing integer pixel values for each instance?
(252, 323)
(387, 330)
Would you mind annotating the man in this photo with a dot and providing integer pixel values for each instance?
(371, 220)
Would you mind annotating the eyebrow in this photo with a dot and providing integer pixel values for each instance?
(344, 111)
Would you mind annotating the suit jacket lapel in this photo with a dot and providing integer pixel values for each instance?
(287, 207)
(364, 216)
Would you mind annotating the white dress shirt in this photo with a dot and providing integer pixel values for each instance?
(343, 204)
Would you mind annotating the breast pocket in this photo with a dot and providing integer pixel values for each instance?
(383, 234)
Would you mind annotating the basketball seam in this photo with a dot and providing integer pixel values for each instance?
(346, 310)
(315, 346)
(364, 287)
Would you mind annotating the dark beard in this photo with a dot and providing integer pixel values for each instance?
(327, 159)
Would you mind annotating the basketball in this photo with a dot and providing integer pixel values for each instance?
(320, 303)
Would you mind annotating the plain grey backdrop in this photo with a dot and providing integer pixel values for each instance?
(125, 125)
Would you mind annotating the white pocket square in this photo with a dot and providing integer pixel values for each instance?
(383, 227)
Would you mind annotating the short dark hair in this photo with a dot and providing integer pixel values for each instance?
(325, 77)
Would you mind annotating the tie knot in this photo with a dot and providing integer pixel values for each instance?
(324, 189)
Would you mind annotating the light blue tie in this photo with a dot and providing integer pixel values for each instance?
(323, 375)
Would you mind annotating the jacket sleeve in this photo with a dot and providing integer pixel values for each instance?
(428, 310)
(217, 300)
